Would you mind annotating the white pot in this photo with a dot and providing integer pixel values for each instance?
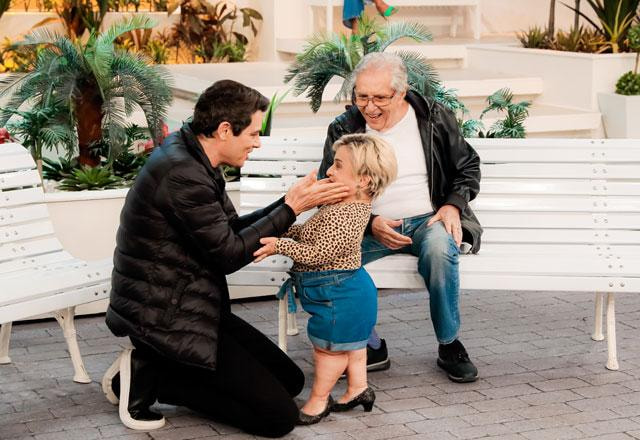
(620, 114)
(571, 79)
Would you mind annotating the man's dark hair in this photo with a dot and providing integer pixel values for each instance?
(228, 101)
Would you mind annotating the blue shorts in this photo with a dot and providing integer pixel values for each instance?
(343, 305)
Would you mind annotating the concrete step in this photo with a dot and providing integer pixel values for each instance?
(442, 52)
(543, 121)
(471, 85)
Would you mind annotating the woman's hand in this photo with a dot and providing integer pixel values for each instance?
(267, 250)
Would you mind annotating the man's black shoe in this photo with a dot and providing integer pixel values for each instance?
(378, 359)
(453, 359)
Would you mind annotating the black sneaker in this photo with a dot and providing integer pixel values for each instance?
(453, 359)
(378, 359)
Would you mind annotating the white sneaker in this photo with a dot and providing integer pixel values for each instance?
(125, 387)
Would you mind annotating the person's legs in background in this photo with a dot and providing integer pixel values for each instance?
(351, 11)
(438, 264)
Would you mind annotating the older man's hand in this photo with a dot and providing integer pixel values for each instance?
(449, 215)
(310, 192)
(382, 230)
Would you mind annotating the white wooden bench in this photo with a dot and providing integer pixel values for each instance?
(454, 20)
(558, 214)
(36, 275)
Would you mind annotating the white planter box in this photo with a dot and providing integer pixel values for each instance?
(86, 223)
(620, 114)
(570, 79)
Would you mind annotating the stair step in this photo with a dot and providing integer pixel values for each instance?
(470, 84)
(543, 120)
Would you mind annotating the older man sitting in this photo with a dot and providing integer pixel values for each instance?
(425, 212)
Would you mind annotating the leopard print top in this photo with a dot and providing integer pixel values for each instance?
(330, 240)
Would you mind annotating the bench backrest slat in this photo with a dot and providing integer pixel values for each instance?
(534, 192)
(18, 250)
(19, 179)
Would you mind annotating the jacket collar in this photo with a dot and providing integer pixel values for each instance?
(195, 149)
(355, 123)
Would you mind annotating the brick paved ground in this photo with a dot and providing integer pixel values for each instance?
(542, 377)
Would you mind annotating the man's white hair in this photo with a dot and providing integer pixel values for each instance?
(384, 61)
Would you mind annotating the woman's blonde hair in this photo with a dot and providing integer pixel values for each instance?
(371, 156)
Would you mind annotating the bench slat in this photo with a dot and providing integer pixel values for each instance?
(15, 233)
(19, 178)
(491, 186)
(61, 300)
(39, 260)
(18, 287)
(21, 197)
(559, 171)
(16, 162)
(566, 236)
(23, 214)
(12, 251)
(559, 155)
(568, 220)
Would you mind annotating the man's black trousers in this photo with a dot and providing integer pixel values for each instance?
(252, 388)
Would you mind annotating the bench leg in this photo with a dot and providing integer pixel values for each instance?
(612, 361)
(282, 323)
(5, 336)
(65, 319)
(597, 329)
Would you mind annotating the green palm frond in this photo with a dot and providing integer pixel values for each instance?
(393, 32)
(471, 127)
(422, 76)
(143, 86)
(498, 101)
(100, 54)
(39, 35)
(449, 98)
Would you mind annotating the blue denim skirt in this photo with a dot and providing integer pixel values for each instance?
(343, 305)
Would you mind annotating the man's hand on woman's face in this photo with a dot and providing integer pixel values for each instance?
(267, 250)
(310, 192)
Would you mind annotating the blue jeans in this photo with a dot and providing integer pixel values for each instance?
(343, 305)
(437, 263)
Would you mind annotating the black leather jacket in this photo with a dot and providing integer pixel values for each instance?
(453, 166)
(179, 236)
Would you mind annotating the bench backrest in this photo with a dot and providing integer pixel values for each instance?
(570, 193)
(26, 232)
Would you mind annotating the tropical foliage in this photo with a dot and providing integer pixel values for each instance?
(337, 56)
(207, 31)
(629, 83)
(40, 129)
(615, 18)
(99, 85)
(607, 33)
(512, 125)
(90, 178)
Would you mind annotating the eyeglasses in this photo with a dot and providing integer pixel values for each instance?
(377, 100)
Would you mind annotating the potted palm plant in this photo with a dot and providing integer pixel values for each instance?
(337, 55)
(620, 110)
(100, 85)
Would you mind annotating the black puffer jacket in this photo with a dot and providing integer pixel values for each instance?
(179, 236)
(453, 166)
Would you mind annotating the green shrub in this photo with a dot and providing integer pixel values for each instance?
(628, 84)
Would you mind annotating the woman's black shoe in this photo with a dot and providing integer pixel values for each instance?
(306, 419)
(365, 398)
